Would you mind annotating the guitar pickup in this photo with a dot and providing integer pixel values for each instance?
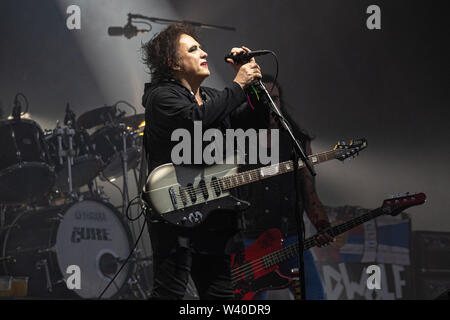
(215, 185)
(173, 198)
(191, 192)
(204, 189)
(182, 195)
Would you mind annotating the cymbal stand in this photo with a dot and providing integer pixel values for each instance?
(69, 154)
(124, 156)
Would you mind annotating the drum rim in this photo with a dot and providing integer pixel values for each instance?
(27, 164)
(21, 120)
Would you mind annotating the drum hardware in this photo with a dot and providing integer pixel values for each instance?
(77, 163)
(68, 145)
(137, 286)
(45, 255)
(96, 117)
(140, 288)
(133, 282)
(133, 121)
(69, 154)
(124, 156)
(39, 265)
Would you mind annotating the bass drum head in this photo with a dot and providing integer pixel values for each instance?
(47, 244)
(93, 237)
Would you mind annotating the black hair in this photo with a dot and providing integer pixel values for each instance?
(160, 53)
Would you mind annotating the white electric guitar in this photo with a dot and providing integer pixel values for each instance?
(185, 195)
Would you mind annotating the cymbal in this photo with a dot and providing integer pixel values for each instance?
(133, 121)
(97, 117)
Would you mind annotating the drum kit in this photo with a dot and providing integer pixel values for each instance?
(48, 225)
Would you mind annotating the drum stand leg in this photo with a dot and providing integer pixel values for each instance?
(44, 263)
(124, 157)
(69, 153)
(134, 282)
(70, 133)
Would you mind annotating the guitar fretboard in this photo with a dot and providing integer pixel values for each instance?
(293, 249)
(254, 175)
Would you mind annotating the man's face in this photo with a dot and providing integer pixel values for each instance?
(191, 58)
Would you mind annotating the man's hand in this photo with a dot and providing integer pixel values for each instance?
(323, 239)
(247, 72)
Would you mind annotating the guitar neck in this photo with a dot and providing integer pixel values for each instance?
(293, 249)
(243, 178)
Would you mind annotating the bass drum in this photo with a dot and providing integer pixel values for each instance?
(90, 234)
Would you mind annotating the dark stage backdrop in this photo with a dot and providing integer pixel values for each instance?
(341, 80)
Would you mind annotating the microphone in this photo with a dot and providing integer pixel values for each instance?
(17, 109)
(129, 31)
(246, 56)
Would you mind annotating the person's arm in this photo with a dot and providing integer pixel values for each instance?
(313, 206)
(173, 105)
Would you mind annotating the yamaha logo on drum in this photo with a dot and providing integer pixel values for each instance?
(90, 215)
(81, 233)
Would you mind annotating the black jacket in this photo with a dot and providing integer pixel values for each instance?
(169, 105)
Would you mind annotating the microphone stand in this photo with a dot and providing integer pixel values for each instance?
(298, 154)
(165, 21)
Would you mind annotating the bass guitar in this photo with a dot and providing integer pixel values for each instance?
(257, 268)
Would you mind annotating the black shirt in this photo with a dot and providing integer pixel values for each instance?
(169, 106)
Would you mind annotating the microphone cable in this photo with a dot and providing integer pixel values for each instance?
(143, 211)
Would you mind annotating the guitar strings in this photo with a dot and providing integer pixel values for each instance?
(221, 183)
(255, 173)
(258, 264)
